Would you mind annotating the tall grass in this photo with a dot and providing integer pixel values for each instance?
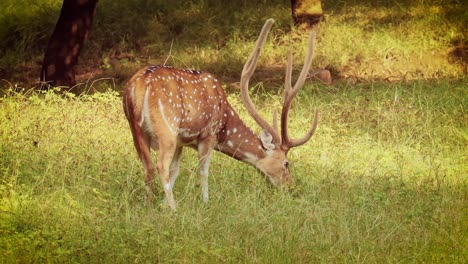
(383, 180)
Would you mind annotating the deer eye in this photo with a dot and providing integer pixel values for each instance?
(286, 164)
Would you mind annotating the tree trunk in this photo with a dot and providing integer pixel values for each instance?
(306, 12)
(71, 31)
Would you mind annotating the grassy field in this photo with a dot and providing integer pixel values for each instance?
(384, 180)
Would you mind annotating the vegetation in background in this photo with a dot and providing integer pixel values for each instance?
(359, 40)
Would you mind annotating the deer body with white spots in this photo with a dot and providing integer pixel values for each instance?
(169, 108)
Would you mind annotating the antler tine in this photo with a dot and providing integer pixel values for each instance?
(291, 92)
(287, 101)
(247, 72)
(287, 79)
(275, 120)
(297, 142)
(307, 63)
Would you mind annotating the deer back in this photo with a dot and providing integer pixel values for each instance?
(166, 101)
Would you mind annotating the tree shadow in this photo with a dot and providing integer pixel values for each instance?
(133, 33)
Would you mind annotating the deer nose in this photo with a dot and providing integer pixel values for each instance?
(287, 181)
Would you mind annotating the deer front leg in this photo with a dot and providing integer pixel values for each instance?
(205, 151)
(167, 150)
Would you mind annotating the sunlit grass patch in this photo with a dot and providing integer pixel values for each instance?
(383, 179)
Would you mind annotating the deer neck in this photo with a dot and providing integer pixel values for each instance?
(239, 141)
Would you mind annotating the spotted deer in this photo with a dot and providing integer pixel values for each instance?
(169, 108)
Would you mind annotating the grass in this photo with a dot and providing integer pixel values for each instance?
(383, 180)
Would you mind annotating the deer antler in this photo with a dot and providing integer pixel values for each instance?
(247, 72)
(291, 92)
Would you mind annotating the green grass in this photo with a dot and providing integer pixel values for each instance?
(384, 180)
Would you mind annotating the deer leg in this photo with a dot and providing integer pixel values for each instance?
(174, 168)
(145, 156)
(205, 151)
(142, 143)
(167, 150)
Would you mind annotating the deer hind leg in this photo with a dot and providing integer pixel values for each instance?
(205, 151)
(167, 153)
(174, 168)
(142, 143)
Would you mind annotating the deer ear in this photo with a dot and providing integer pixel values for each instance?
(267, 140)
